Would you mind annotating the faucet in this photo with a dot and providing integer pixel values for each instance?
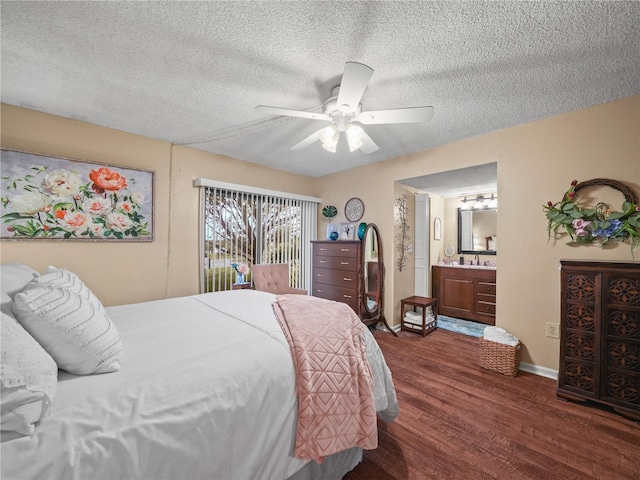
(477, 259)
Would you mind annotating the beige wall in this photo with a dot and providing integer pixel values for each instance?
(404, 281)
(536, 162)
(133, 272)
(437, 210)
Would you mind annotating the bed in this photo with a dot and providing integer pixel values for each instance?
(205, 388)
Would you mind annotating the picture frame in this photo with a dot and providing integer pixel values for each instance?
(45, 197)
(437, 229)
(347, 231)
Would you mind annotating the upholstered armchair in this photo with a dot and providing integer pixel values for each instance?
(273, 278)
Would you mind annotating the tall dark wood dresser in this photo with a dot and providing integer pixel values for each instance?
(337, 271)
(600, 334)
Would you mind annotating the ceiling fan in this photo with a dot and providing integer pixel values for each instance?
(344, 112)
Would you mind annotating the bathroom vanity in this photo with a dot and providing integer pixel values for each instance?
(466, 291)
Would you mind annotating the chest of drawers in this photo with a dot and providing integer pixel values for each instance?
(337, 271)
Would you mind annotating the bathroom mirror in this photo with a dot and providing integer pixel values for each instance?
(477, 231)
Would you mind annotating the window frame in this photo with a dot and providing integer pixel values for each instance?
(308, 226)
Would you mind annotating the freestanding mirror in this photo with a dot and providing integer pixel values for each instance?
(373, 278)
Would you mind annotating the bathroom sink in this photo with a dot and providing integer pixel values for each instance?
(479, 267)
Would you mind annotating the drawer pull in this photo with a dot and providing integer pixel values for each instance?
(345, 263)
(319, 275)
(345, 249)
(347, 296)
(347, 279)
(319, 290)
(324, 249)
(323, 261)
(487, 308)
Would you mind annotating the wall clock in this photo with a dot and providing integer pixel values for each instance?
(354, 209)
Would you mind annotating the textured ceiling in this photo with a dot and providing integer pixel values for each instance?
(193, 72)
(462, 181)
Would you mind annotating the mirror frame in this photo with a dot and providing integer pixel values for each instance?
(379, 308)
(472, 252)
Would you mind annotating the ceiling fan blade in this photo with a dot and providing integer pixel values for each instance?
(396, 115)
(292, 113)
(354, 82)
(368, 145)
(307, 141)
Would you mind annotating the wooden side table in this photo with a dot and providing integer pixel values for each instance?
(422, 302)
(241, 286)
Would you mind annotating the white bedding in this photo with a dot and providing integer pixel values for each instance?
(205, 390)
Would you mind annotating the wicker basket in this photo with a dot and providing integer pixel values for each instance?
(499, 357)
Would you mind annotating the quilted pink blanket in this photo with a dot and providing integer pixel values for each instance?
(336, 408)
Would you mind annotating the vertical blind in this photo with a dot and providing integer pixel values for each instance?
(246, 226)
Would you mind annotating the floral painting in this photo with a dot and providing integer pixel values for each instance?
(55, 198)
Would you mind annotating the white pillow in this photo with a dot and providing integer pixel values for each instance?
(13, 278)
(67, 319)
(29, 379)
(5, 303)
(62, 278)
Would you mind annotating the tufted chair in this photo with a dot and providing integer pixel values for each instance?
(273, 278)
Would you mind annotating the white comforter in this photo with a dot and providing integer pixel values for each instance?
(206, 390)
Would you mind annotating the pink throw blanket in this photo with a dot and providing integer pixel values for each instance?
(336, 408)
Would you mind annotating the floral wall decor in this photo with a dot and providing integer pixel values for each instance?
(598, 224)
(46, 197)
(402, 237)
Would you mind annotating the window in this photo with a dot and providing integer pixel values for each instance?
(246, 225)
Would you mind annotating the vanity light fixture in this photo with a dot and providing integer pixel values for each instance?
(479, 202)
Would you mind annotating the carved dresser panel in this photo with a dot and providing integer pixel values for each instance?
(600, 334)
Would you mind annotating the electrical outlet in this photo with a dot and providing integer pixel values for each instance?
(553, 330)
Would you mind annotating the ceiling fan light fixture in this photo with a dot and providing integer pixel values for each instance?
(355, 134)
(354, 146)
(329, 133)
(329, 138)
(330, 146)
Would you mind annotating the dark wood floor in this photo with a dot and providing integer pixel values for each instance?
(459, 421)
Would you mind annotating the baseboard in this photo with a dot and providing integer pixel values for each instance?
(538, 370)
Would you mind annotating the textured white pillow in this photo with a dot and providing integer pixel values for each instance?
(62, 278)
(28, 377)
(14, 277)
(67, 319)
(6, 303)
